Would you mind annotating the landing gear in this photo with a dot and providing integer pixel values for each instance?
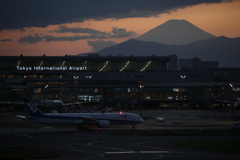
(83, 128)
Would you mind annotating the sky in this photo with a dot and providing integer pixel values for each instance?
(71, 27)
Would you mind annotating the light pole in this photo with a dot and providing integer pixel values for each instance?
(44, 98)
(140, 98)
(183, 77)
(232, 106)
(75, 79)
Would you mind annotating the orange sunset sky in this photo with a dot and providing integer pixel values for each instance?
(219, 19)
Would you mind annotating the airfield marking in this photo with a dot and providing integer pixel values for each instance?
(131, 152)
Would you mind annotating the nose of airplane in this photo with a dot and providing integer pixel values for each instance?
(141, 120)
(137, 119)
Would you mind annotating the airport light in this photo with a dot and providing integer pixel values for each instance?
(125, 66)
(183, 76)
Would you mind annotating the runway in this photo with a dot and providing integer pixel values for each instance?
(70, 143)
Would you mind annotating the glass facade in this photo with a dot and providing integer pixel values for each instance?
(115, 81)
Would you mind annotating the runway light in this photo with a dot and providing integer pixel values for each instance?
(120, 112)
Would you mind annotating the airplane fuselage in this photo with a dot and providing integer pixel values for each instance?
(76, 118)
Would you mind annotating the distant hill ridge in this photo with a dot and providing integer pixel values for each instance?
(222, 49)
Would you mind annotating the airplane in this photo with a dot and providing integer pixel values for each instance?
(48, 103)
(235, 126)
(235, 102)
(54, 102)
(82, 120)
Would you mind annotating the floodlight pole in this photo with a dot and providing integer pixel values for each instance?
(75, 79)
(140, 98)
(182, 77)
(232, 106)
(44, 97)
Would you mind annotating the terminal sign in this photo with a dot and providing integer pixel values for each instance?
(52, 68)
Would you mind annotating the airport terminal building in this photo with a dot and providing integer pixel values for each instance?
(115, 81)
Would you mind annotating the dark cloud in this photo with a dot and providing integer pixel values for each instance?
(91, 34)
(38, 38)
(65, 29)
(72, 38)
(121, 33)
(35, 38)
(5, 40)
(16, 14)
(100, 44)
(115, 33)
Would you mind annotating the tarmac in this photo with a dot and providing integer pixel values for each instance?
(70, 143)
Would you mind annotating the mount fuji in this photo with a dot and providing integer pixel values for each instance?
(179, 32)
(172, 38)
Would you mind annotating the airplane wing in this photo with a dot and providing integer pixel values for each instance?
(66, 104)
(88, 120)
(22, 117)
(226, 101)
(72, 103)
(234, 102)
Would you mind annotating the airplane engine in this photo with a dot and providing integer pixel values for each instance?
(103, 124)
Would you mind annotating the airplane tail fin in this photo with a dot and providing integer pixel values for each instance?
(235, 105)
(32, 109)
(61, 94)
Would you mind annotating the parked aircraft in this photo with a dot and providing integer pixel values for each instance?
(235, 102)
(235, 126)
(82, 120)
(48, 103)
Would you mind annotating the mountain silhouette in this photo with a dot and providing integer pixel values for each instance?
(222, 49)
(136, 48)
(183, 39)
(179, 32)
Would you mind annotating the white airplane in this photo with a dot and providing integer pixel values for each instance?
(82, 120)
